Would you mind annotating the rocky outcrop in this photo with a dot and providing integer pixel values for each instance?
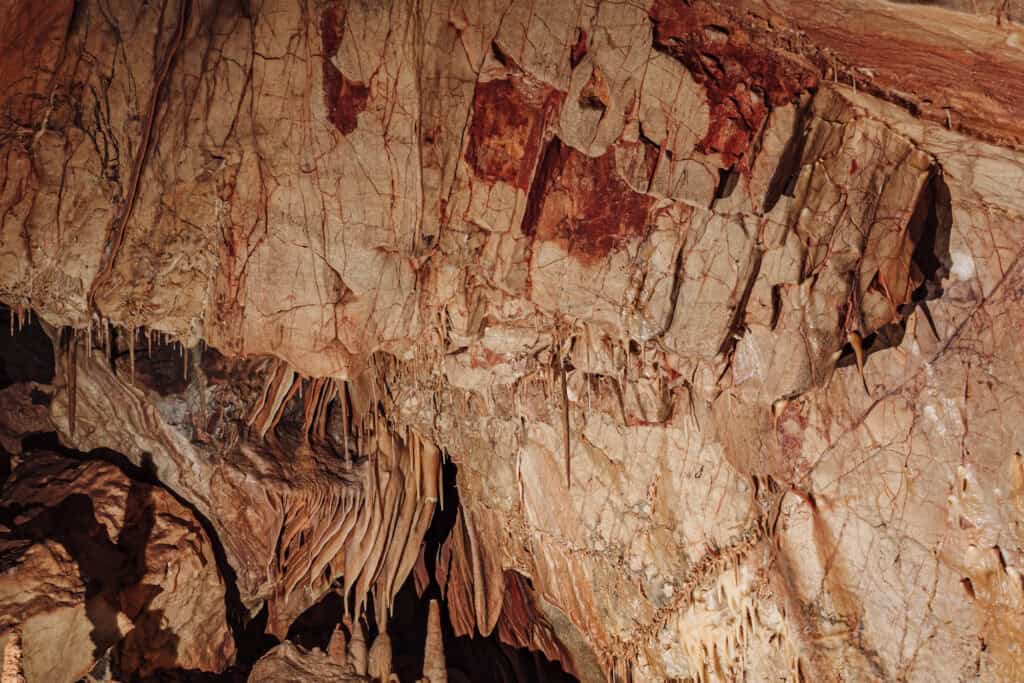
(100, 565)
(714, 305)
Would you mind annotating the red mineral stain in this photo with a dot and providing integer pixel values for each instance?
(332, 28)
(583, 202)
(789, 429)
(345, 99)
(509, 117)
(486, 359)
(743, 80)
(579, 50)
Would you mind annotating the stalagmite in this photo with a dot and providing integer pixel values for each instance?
(13, 671)
(434, 667)
(379, 657)
(337, 648)
(357, 652)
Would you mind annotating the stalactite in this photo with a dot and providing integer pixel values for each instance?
(421, 577)
(327, 391)
(343, 399)
(339, 539)
(269, 408)
(309, 405)
(471, 579)
(858, 352)
(389, 500)
(403, 526)
(360, 545)
(434, 667)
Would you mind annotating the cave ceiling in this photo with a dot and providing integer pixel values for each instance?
(713, 307)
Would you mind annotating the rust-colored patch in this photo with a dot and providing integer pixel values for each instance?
(743, 80)
(332, 28)
(485, 358)
(579, 50)
(789, 430)
(509, 116)
(584, 202)
(345, 99)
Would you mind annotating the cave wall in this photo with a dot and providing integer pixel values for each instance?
(714, 305)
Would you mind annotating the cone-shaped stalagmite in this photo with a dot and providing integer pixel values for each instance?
(379, 664)
(434, 667)
(337, 649)
(357, 649)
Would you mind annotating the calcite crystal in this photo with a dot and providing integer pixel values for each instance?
(715, 305)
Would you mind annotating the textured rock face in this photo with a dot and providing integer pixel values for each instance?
(287, 662)
(715, 306)
(94, 560)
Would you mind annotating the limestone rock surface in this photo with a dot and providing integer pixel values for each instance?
(94, 560)
(715, 305)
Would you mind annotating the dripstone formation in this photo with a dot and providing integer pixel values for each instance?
(663, 340)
